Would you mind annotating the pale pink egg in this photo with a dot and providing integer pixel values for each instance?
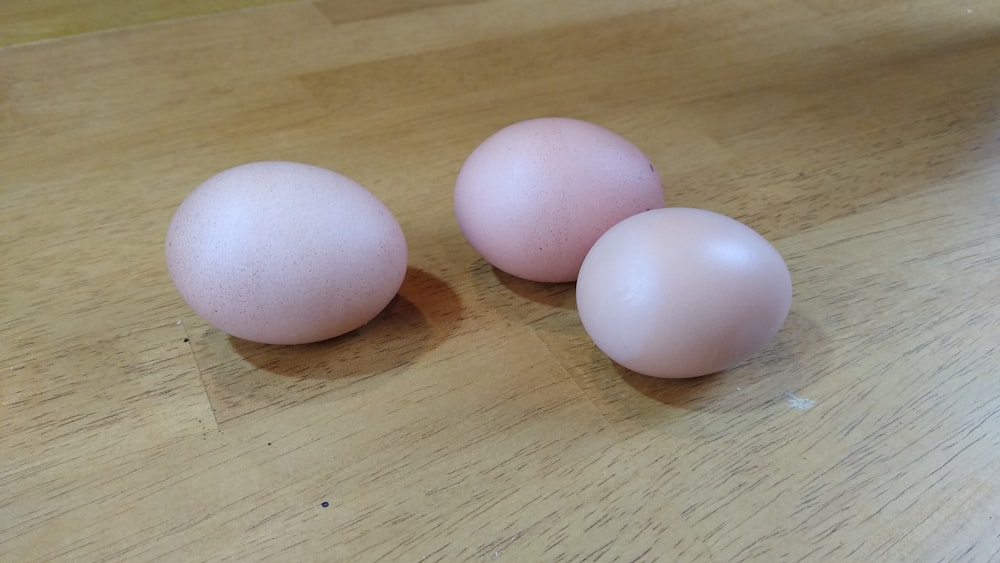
(534, 196)
(285, 253)
(682, 292)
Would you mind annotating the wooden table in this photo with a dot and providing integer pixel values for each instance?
(474, 420)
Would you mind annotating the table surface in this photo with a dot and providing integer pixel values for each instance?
(474, 419)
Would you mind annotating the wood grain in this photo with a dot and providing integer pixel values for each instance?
(474, 420)
(40, 20)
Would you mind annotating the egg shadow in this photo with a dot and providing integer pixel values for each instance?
(425, 311)
(518, 300)
(790, 362)
(561, 295)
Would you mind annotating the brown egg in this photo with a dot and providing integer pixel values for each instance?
(680, 292)
(534, 196)
(285, 253)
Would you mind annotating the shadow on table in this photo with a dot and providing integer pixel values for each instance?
(788, 364)
(559, 295)
(241, 377)
(424, 312)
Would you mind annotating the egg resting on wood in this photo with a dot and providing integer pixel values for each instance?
(285, 253)
(534, 196)
(681, 292)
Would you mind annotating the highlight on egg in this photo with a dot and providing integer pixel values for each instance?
(535, 196)
(285, 253)
(680, 292)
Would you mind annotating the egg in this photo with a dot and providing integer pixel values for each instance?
(535, 196)
(285, 253)
(679, 292)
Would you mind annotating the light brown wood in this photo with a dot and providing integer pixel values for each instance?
(474, 420)
(24, 21)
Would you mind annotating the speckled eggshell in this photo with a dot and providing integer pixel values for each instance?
(681, 292)
(535, 196)
(285, 253)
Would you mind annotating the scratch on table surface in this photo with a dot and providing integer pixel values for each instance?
(796, 402)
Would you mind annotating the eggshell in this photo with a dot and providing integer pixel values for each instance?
(681, 292)
(534, 196)
(285, 253)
